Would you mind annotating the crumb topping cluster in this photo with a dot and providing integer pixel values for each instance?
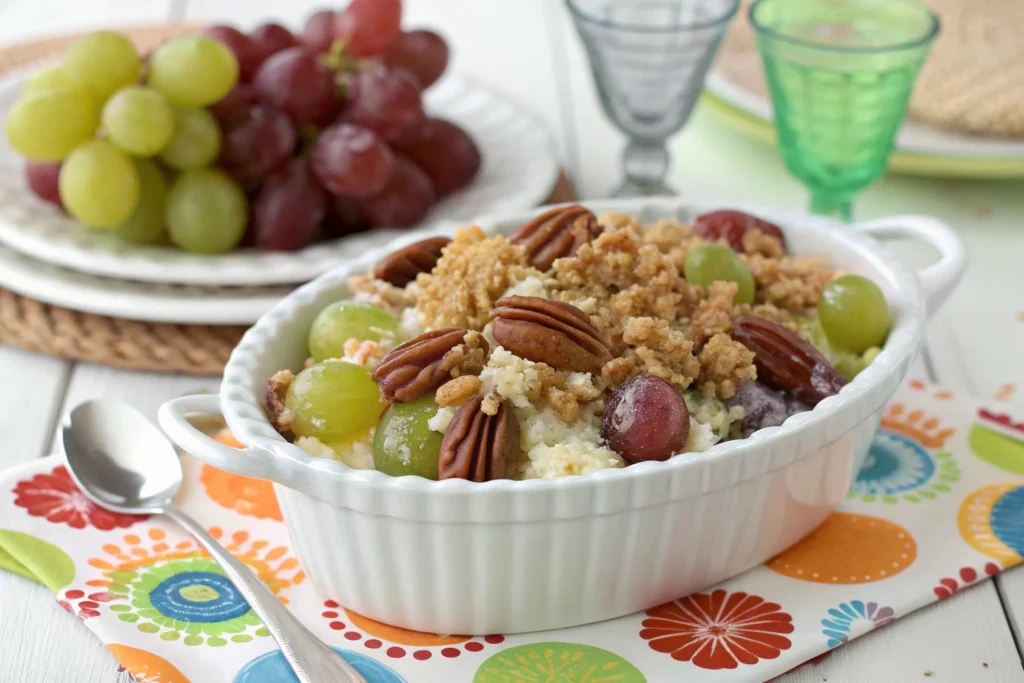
(629, 281)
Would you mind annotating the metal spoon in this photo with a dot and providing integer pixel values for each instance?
(124, 463)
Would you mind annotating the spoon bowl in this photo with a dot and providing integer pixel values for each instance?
(119, 459)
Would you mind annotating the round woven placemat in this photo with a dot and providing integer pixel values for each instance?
(191, 349)
(972, 82)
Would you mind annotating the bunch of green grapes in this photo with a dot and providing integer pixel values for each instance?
(128, 153)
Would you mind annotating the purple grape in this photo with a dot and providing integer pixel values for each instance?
(297, 83)
(403, 202)
(289, 209)
(256, 141)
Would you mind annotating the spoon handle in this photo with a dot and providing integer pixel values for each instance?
(312, 661)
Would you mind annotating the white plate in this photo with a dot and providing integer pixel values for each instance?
(915, 137)
(148, 301)
(519, 171)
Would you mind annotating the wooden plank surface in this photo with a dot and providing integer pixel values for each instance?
(528, 49)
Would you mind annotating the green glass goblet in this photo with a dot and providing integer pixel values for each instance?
(840, 74)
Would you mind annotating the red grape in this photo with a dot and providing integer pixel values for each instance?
(343, 217)
(646, 419)
(368, 27)
(269, 39)
(732, 225)
(289, 208)
(424, 54)
(318, 32)
(242, 96)
(387, 101)
(239, 43)
(42, 180)
(256, 141)
(352, 161)
(446, 154)
(297, 83)
(403, 202)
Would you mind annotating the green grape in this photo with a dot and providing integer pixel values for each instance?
(195, 142)
(854, 313)
(712, 262)
(334, 402)
(404, 443)
(48, 125)
(99, 184)
(139, 120)
(344, 320)
(206, 212)
(146, 224)
(51, 78)
(193, 71)
(104, 61)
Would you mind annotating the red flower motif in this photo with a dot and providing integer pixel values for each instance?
(56, 497)
(718, 631)
(947, 587)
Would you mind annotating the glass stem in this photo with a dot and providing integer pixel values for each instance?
(832, 205)
(645, 164)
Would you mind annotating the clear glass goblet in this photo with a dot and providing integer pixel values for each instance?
(649, 59)
(840, 74)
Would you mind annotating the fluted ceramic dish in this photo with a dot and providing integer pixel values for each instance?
(510, 556)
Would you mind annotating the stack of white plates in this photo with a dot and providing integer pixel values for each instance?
(47, 256)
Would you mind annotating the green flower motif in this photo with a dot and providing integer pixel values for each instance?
(189, 599)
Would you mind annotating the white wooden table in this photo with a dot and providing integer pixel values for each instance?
(528, 49)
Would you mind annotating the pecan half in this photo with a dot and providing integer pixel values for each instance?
(786, 361)
(549, 332)
(401, 267)
(420, 365)
(478, 446)
(277, 412)
(556, 234)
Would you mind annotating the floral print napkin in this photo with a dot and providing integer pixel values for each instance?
(938, 506)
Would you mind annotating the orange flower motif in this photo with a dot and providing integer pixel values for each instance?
(246, 496)
(718, 631)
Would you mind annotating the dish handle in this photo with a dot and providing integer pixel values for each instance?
(251, 462)
(937, 280)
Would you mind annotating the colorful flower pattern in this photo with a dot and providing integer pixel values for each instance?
(56, 497)
(899, 468)
(272, 667)
(884, 549)
(178, 592)
(719, 630)
(965, 577)
(990, 521)
(390, 640)
(844, 619)
(246, 496)
(557, 663)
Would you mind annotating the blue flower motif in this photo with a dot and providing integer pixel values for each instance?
(840, 623)
(1007, 521)
(272, 667)
(894, 464)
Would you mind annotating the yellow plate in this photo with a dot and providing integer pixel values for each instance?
(904, 163)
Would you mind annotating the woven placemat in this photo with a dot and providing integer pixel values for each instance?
(973, 81)
(191, 349)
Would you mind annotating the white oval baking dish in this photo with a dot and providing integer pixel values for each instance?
(510, 556)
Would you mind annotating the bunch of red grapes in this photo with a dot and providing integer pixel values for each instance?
(322, 150)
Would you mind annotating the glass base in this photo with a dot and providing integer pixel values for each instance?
(633, 189)
(833, 206)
